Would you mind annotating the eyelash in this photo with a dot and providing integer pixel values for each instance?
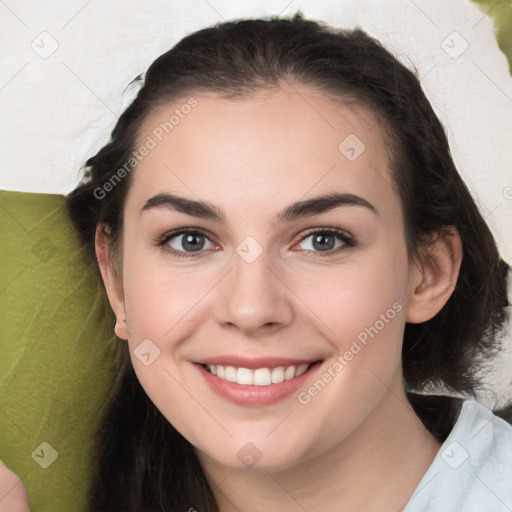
(347, 240)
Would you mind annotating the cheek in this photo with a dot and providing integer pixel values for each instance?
(159, 300)
(361, 311)
(354, 299)
(162, 309)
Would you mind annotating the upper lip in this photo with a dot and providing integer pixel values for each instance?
(255, 362)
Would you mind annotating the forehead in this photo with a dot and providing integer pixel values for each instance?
(289, 140)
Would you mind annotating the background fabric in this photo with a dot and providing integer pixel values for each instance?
(56, 333)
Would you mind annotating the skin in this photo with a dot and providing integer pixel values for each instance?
(252, 158)
(13, 497)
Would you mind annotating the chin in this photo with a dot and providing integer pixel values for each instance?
(259, 455)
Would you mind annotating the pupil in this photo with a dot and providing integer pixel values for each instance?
(323, 242)
(191, 243)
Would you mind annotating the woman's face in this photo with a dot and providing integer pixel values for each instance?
(295, 256)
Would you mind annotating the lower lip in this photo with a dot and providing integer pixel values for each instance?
(256, 396)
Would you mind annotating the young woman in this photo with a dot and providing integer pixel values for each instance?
(290, 252)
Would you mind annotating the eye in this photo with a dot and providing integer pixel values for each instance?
(326, 241)
(186, 242)
(193, 242)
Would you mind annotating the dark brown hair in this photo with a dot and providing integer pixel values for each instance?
(142, 462)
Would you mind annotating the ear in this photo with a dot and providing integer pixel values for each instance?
(112, 278)
(433, 278)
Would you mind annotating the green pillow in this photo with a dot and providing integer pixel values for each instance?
(56, 332)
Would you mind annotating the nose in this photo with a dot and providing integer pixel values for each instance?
(253, 298)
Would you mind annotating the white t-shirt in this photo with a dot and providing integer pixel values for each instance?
(472, 472)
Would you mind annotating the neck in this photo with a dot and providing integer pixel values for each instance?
(377, 468)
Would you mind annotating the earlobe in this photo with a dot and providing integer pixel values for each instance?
(433, 279)
(120, 330)
(112, 279)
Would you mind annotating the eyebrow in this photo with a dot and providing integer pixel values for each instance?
(306, 208)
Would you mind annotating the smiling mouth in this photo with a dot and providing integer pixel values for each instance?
(257, 382)
(264, 376)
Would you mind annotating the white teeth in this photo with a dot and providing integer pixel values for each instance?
(258, 377)
(301, 370)
(262, 377)
(230, 373)
(244, 376)
(289, 373)
(277, 375)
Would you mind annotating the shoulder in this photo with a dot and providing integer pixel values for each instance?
(472, 472)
